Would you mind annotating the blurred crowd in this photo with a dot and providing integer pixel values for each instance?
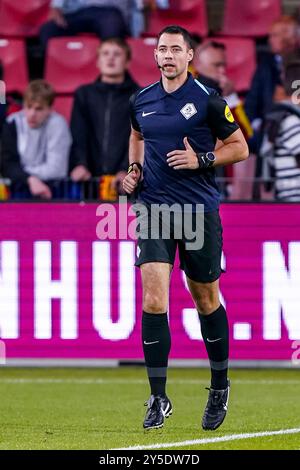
(43, 157)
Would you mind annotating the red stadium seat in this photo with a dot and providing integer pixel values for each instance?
(13, 58)
(22, 18)
(250, 18)
(71, 62)
(142, 66)
(241, 60)
(63, 105)
(190, 14)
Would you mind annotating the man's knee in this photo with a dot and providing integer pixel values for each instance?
(113, 26)
(153, 303)
(48, 30)
(207, 302)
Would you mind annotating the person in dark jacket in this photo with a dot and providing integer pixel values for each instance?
(283, 39)
(210, 61)
(100, 122)
(267, 80)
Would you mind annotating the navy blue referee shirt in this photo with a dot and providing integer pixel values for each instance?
(164, 119)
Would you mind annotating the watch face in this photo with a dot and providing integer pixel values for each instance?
(211, 156)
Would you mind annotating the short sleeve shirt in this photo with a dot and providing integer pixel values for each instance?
(164, 119)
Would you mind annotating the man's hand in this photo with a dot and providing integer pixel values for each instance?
(131, 180)
(80, 173)
(38, 188)
(117, 183)
(183, 159)
(57, 16)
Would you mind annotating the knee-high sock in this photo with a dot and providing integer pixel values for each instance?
(156, 344)
(215, 333)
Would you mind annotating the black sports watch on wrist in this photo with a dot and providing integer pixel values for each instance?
(206, 160)
(130, 168)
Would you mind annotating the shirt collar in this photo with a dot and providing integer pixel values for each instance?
(180, 92)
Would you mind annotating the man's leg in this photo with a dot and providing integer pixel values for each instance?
(215, 333)
(214, 329)
(79, 22)
(155, 327)
(156, 339)
(52, 30)
(107, 22)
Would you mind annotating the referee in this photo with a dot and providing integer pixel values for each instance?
(181, 130)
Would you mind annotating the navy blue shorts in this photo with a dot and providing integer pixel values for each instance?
(200, 265)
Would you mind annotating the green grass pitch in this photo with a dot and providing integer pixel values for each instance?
(103, 409)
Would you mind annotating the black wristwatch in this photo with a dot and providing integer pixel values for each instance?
(206, 160)
(130, 168)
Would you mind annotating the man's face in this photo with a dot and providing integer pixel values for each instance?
(211, 62)
(112, 60)
(36, 113)
(283, 38)
(172, 55)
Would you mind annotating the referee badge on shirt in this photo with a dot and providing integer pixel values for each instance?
(228, 114)
(188, 110)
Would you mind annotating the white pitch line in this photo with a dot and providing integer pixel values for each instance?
(213, 440)
(99, 381)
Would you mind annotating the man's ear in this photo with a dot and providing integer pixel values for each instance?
(190, 55)
(155, 55)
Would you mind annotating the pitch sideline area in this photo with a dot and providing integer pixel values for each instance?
(199, 442)
(103, 409)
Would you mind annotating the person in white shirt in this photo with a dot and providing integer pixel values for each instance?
(36, 144)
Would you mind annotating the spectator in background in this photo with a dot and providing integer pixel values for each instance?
(211, 64)
(35, 144)
(267, 82)
(280, 150)
(100, 121)
(105, 18)
(283, 39)
(2, 98)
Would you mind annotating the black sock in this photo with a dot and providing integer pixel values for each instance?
(156, 344)
(213, 327)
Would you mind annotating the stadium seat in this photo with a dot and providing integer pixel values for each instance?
(142, 66)
(63, 105)
(191, 14)
(22, 18)
(71, 62)
(13, 58)
(241, 60)
(250, 18)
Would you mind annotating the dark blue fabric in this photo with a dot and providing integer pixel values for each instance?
(164, 129)
(105, 22)
(259, 99)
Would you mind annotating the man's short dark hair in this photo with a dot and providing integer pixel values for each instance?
(211, 44)
(174, 29)
(119, 42)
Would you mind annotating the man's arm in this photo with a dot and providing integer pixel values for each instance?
(11, 164)
(136, 147)
(233, 149)
(254, 97)
(136, 155)
(79, 130)
(220, 120)
(224, 128)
